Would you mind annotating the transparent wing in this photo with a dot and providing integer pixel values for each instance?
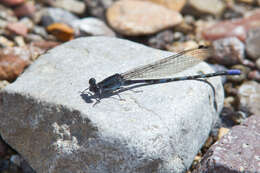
(169, 65)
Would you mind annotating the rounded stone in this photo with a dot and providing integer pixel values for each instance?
(135, 17)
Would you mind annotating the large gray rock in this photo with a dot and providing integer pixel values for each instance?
(45, 118)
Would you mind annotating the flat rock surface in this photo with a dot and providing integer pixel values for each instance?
(56, 129)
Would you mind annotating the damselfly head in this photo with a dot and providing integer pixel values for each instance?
(92, 85)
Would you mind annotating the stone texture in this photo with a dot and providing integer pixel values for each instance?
(57, 15)
(26, 9)
(57, 129)
(236, 152)
(4, 42)
(11, 65)
(252, 44)
(228, 51)
(175, 5)
(201, 7)
(247, 1)
(249, 96)
(45, 45)
(3, 83)
(258, 63)
(233, 28)
(92, 26)
(12, 2)
(74, 6)
(254, 75)
(61, 31)
(27, 22)
(97, 8)
(128, 17)
(7, 14)
(17, 28)
(161, 39)
(181, 46)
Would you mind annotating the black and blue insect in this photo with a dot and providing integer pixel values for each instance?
(155, 73)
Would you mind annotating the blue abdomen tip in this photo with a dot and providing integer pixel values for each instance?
(234, 72)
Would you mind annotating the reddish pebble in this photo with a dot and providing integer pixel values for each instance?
(237, 28)
(17, 28)
(11, 66)
(45, 45)
(254, 75)
(12, 2)
(225, 29)
(26, 9)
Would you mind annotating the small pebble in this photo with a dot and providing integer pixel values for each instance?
(258, 63)
(16, 159)
(26, 9)
(97, 8)
(230, 89)
(208, 142)
(4, 42)
(248, 63)
(7, 14)
(92, 26)
(201, 7)
(128, 17)
(247, 1)
(224, 29)
(175, 5)
(200, 27)
(11, 66)
(61, 31)
(234, 11)
(33, 37)
(181, 46)
(45, 45)
(12, 2)
(222, 132)
(254, 75)
(3, 83)
(18, 28)
(240, 117)
(3, 24)
(40, 31)
(19, 40)
(178, 36)
(237, 27)
(229, 101)
(57, 15)
(184, 28)
(228, 51)
(249, 96)
(28, 22)
(161, 39)
(252, 44)
(74, 6)
(226, 117)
